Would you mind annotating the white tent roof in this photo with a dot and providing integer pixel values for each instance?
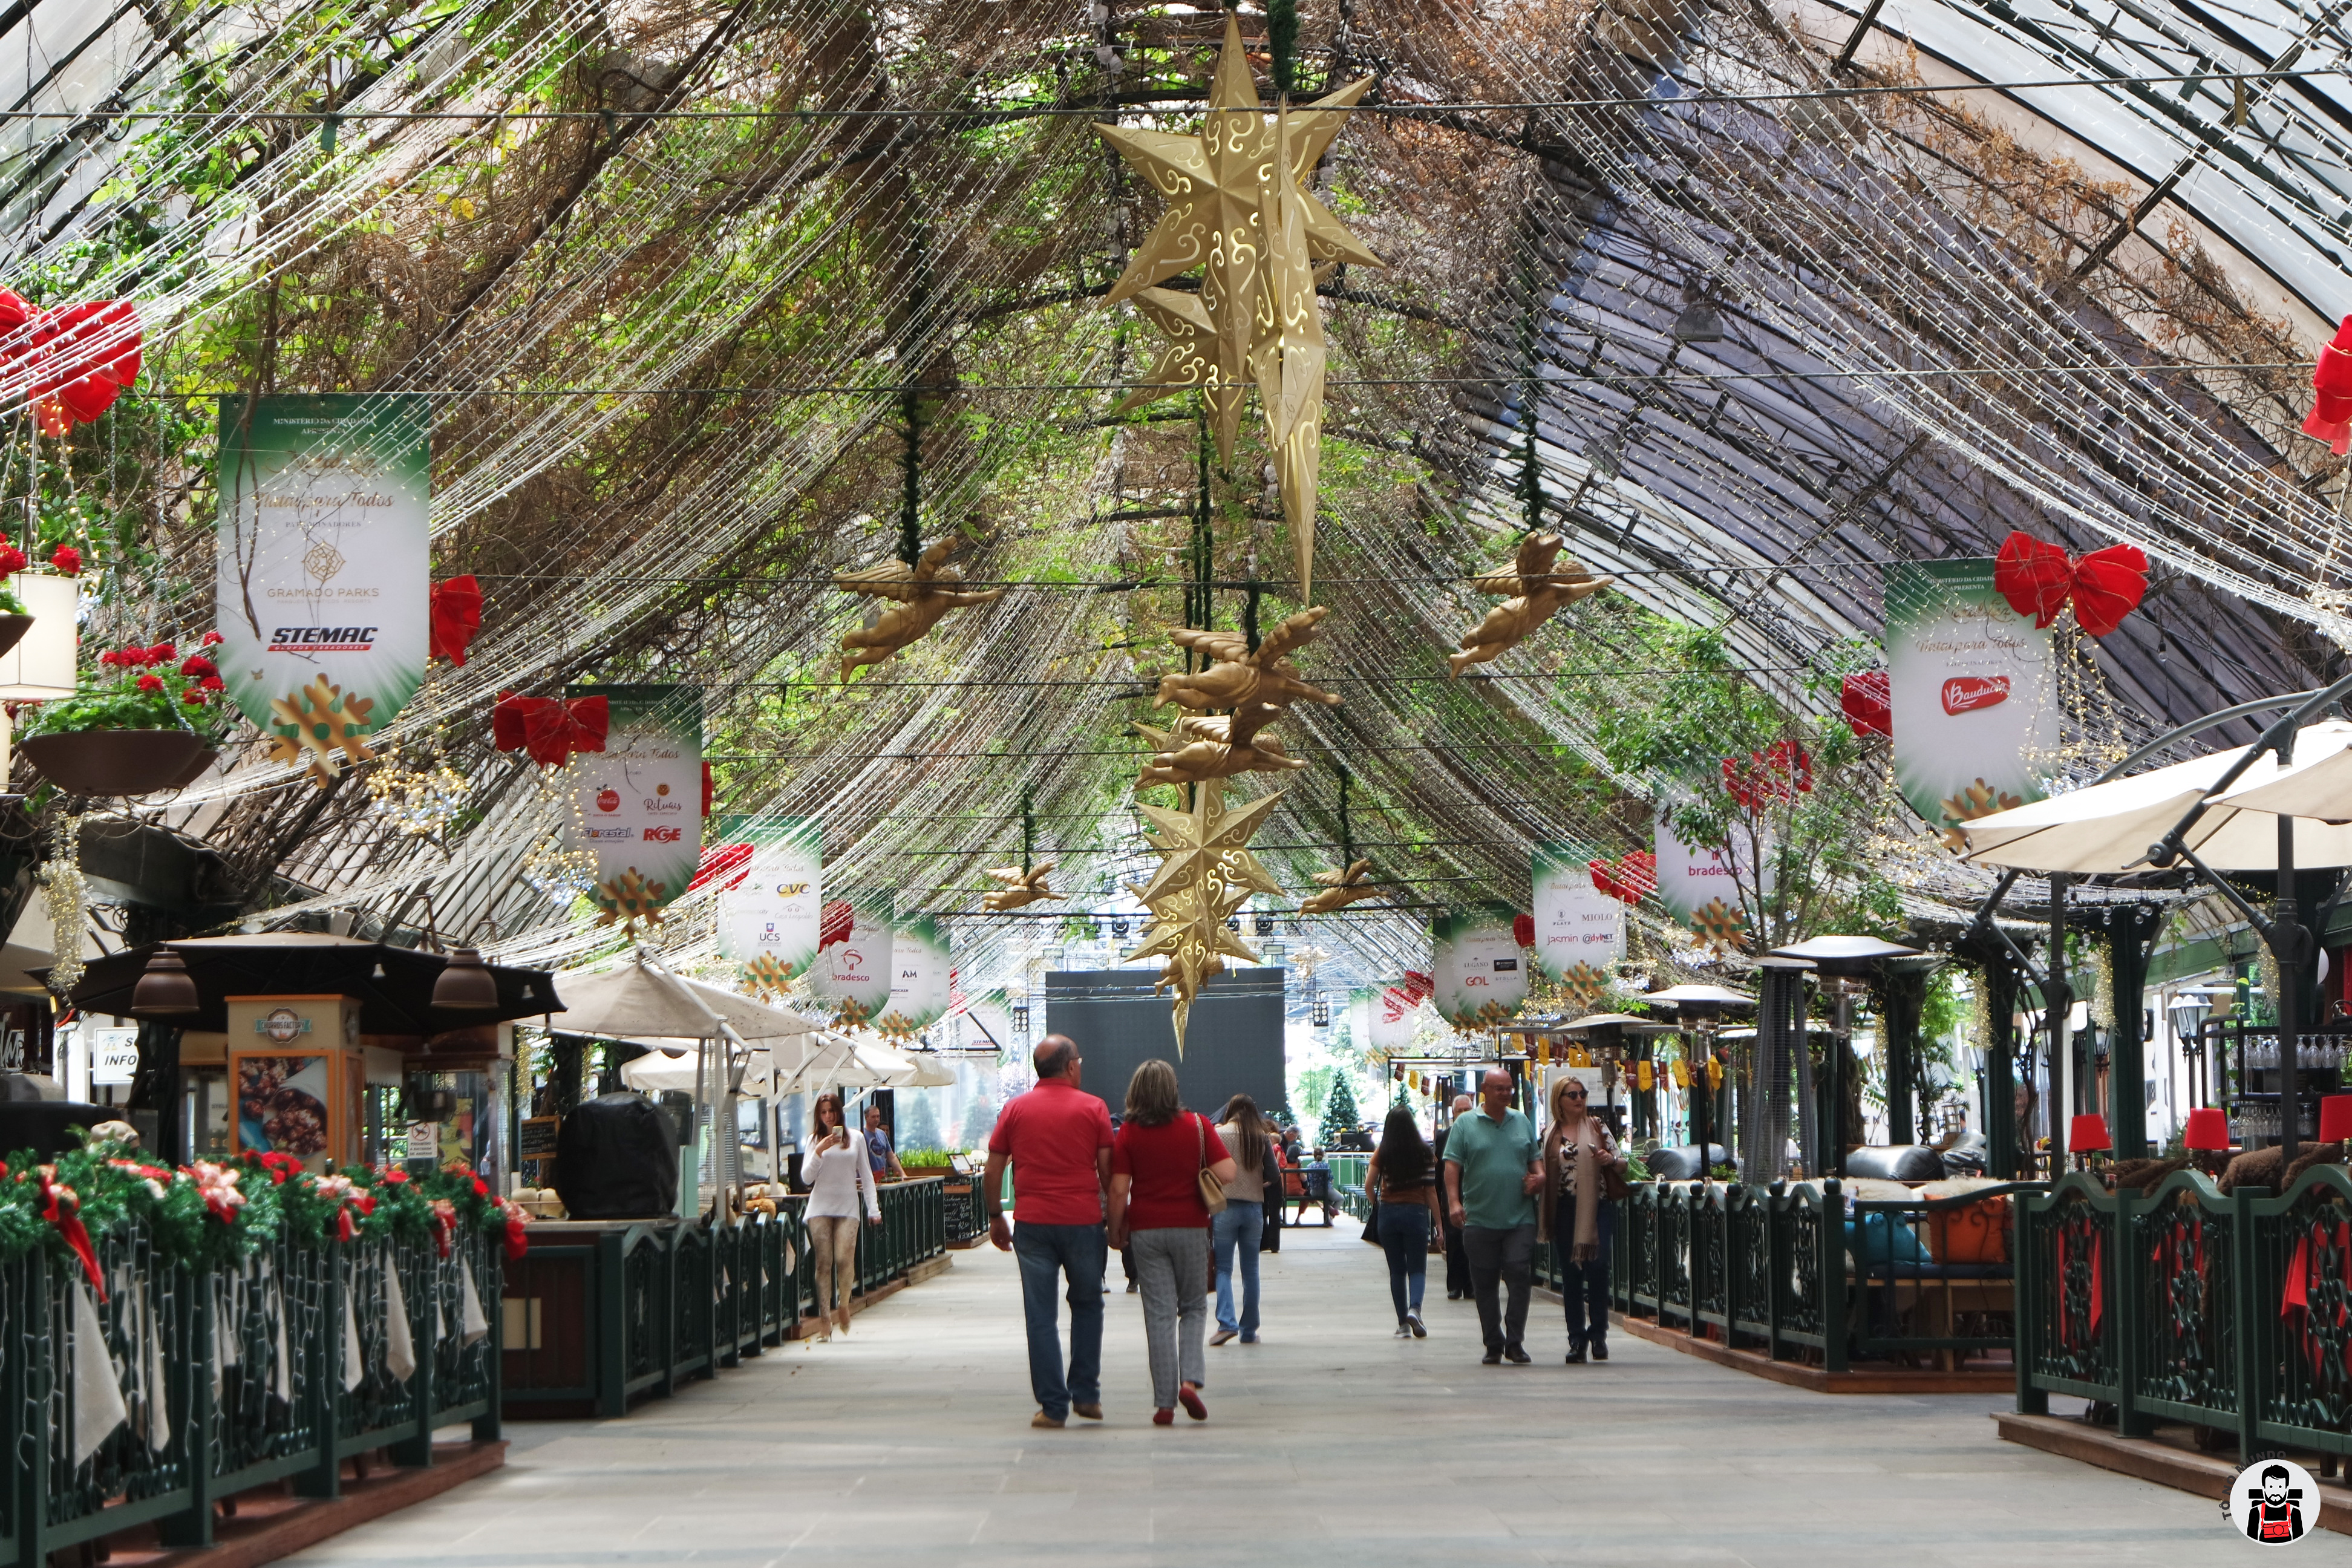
(641, 1002)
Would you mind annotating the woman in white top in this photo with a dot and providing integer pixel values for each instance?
(1233, 1235)
(837, 1175)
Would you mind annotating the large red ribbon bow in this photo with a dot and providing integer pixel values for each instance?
(2038, 578)
(548, 728)
(1868, 703)
(61, 1207)
(2331, 411)
(82, 356)
(457, 612)
(1629, 879)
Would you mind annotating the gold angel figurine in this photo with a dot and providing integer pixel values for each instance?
(924, 591)
(1342, 888)
(1238, 677)
(1215, 747)
(1020, 888)
(1536, 591)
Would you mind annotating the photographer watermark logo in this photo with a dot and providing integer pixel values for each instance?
(2274, 1502)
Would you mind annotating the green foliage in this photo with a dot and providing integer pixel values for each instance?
(151, 688)
(1315, 1087)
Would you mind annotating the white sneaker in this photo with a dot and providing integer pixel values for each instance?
(1403, 1332)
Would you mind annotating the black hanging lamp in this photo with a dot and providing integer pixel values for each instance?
(465, 985)
(166, 990)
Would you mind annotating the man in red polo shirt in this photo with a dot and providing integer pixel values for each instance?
(1058, 1140)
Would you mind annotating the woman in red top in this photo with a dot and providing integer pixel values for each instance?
(1155, 1211)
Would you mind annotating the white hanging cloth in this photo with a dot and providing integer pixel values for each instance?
(282, 1377)
(159, 1403)
(399, 1339)
(354, 1353)
(98, 1408)
(474, 1324)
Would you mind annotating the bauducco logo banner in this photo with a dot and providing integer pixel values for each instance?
(322, 571)
(1970, 689)
(639, 805)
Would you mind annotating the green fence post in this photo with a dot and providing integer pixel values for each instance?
(1778, 1264)
(415, 1450)
(2026, 1321)
(1833, 1301)
(189, 1387)
(32, 1380)
(665, 1320)
(2247, 1316)
(323, 1477)
(489, 1424)
(608, 1327)
(2131, 1326)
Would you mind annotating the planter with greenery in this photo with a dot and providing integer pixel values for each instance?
(153, 722)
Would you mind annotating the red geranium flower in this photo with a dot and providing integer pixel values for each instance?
(162, 653)
(197, 664)
(211, 639)
(151, 683)
(192, 697)
(66, 558)
(12, 560)
(213, 683)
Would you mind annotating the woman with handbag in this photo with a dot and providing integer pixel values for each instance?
(1236, 1236)
(1403, 1181)
(1168, 1175)
(1583, 1175)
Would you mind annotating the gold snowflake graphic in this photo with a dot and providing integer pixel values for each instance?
(767, 976)
(1978, 799)
(1718, 925)
(628, 899)
(327, 726)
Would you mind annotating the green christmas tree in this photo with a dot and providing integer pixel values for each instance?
(918, 1128)
(979, 1121)
(1339, 1113)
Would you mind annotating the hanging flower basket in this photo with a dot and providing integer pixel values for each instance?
(119, 762)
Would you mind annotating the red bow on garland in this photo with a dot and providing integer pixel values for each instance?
(834, 922)
(548, 728)
(1523, 930)
(2038, 578)
(2331, 411)
(1868, 704)
(456, 611)
(725, 864)
(1629, 879)
(82, 356)
(61, 1207)
(1780, 771)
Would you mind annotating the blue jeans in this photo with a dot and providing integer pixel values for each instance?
(1404, 1236)
(1584, 1287)
(1079, 1251)
(1236, 1230)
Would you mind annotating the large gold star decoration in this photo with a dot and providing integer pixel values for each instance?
(1237, 209)
(1206, 873)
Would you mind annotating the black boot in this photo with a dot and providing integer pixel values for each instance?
(1599, 1348)
(1575, 1353)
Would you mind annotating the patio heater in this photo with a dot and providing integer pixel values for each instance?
(1847, 964)
(1700, 1009)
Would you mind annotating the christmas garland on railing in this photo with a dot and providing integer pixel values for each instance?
(212, 1213)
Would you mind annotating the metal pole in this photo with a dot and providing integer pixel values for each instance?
(2286, 944)
(2060, 999)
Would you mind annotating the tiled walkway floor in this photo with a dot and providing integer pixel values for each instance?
(1329, 1445)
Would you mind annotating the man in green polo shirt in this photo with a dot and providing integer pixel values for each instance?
(1493, 1168)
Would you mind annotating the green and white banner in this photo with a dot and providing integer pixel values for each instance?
(774, 912)
(1694, 880)
(852, 973)
(323, 569)
(1972, 687)
(921, 970)
(1481, 969)
(1576, 923)
(639, 805)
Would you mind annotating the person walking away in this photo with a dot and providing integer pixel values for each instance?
(1492, 1171)
(1404, 1177)
(1057, 1140)
(1578, 1217)
(1457, 1265)
(877, 1147)
(1159, 1212)
(837, 1176)
(1233, 1235)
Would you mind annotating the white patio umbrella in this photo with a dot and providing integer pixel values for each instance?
(830, 1061)
(2107, 828)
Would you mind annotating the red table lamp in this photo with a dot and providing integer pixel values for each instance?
(2209, 1129)
(2335, 1119)
(2089, 1135)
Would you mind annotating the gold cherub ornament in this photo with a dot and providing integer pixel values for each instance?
(1536, 591)
(1206, 873)
(1217, 747)
(1021, 888)
(925, 591)
(1346, 886)
(1237, 208)
(1237, 678)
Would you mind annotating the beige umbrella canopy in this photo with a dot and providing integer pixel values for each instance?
(641, 1002)
(2107, 828)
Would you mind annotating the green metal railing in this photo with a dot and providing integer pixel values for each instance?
(1804, 1273)
(231, 1378)
(2230, 1313)
(1347, 1173)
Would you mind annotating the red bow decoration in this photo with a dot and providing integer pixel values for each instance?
(1629, 879)
(1780, 771)
(1868, 704)
(61, 1207)
(709, 790)
(725, 864)
(2331, 411)
(835, 922)
(456, 611)
(82, 356)
(1523, 930)
(2037, 578)
(548, 728)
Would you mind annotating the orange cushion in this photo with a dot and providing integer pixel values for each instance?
(1973, 1233)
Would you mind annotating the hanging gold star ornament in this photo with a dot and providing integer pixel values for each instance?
(1237, 208)
(1535, 592)
(924, 592)
(1346, 886)
(1206, 873)
(1021, 888)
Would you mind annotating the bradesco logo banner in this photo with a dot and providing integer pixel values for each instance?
(853, 969)
(1482, 973)
(1690, 876)
(1575, 922)
(774, 911)
(1968, 683)
(921, 968)
(321, 567)
(639, 806)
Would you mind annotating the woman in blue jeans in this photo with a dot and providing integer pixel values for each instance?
(1233, 1235)
(1578, 1139)
(1403, 1175)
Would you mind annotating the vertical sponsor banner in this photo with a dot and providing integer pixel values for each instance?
(322, 570)
(1482, 976)
(1971, 686)
(1360, 1016)
(774, 912)
(639, 805)
(1690, 878)
(1390, 1017)
(853, 971)
(1575, 922)
(921, 970)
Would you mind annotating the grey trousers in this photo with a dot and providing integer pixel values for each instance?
(1172, 1268)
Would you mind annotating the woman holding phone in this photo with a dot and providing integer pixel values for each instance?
(839, 1172)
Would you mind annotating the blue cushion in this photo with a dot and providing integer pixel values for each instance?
(1879, 1239)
